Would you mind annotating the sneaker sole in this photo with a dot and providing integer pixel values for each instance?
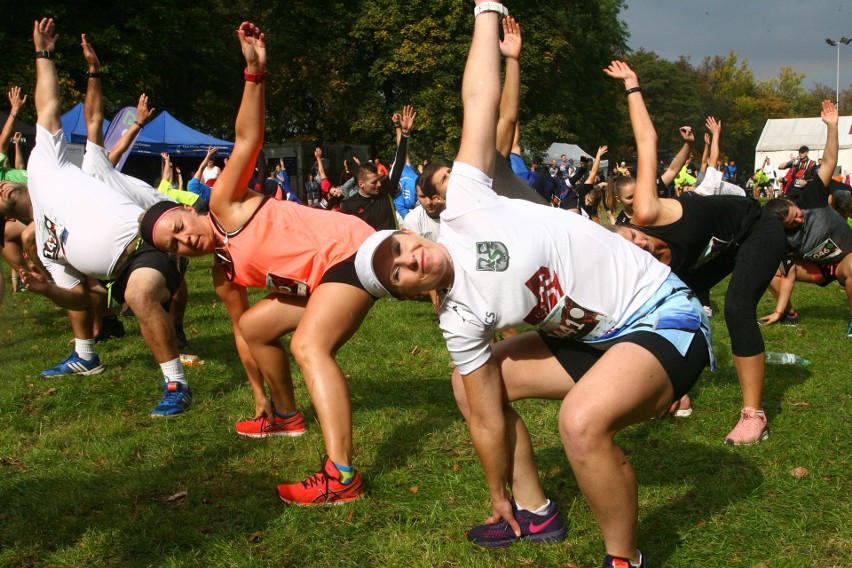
(545, 538)
(322, 503)
(285, 434)
(95, 371)
(683, 413)
(763, 437)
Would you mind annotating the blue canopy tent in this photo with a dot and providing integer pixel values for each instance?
(167, 134)
(74, 125)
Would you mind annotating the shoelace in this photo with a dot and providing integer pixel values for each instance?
(316, 479)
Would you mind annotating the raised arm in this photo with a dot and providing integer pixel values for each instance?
(199, 173)
(19, 152)
(167, 168)
(481, 94)
(647, 208)
(143, 116)
(829, 155)
(705, 153)
(682, 155)
(232, 184)
(47, 100)
(507, 123)
(715, 128)
(593, 173)
(15, 104)
(320, 167)
(406, 122)
(93, 108)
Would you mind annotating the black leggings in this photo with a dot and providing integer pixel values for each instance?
(751, 266)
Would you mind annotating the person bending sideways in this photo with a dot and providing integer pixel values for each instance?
(313, 288)
(620, 338)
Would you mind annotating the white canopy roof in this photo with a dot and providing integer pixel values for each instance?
(788, 134)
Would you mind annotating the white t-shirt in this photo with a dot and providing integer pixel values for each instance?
(82, 225)
(96, 163)
(519, 263)
(210, 173)
(418, 221)
(712, 184)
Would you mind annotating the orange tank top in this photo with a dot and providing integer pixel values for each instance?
(287, 248)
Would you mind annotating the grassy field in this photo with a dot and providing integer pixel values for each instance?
(87, 478)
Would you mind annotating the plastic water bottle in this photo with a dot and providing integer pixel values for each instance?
(191, 360)
(785, 359)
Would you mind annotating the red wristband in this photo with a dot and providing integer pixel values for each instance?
(254, 77)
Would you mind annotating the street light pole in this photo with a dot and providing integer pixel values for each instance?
(837, 43)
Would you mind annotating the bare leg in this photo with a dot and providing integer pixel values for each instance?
(333, 316)
(145, 294)
(262, 327)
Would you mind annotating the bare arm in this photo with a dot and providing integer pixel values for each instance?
(37, 281)
(47, 100)
(481, 94)
(593, 173)
(15, 104)
(199, 173)
(829, 155)
(93, 108)
(507, 123)
(647, 208)
(19, 152)
(785, 292)
(232, 184)
(705, 153)
(143, 115)
(320, 167)
(681, 157)
(715, 128)
(406, 122)
(167, 167)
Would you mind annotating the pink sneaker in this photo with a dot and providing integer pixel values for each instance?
(278, 426)
(750, 429)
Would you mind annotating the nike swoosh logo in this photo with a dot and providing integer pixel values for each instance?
(534, 528)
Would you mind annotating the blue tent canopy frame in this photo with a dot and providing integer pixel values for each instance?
(167, 134)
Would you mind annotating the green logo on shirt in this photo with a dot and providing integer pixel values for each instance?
(492, 256)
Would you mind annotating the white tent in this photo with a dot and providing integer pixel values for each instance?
(572, 152)
(782, 137)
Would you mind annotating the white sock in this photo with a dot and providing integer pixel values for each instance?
(540, 511)
(173, 370)
(85, 348)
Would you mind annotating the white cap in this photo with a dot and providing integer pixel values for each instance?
(364, 263)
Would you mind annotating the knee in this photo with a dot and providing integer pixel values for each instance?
(306, 351)
(580, 431)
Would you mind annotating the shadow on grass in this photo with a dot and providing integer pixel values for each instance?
(704, 481)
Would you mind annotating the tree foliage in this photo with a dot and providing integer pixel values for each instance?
(339, 69)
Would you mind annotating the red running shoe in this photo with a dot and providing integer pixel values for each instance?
(278, 426)
(322, 488)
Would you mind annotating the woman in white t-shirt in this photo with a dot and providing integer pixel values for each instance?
(211, 171)
(619, 338)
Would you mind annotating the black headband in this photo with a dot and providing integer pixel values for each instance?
(152, 216)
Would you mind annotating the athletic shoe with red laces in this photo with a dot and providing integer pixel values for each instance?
(750, 429)
(322, 488)
(611, 561)
(278, 426)
(548, 527)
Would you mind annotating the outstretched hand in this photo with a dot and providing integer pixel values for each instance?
(35, 279)
(510, 47)
(44, 34)
(253, 46)
(89, 54)
(164, 156)
(707, 138)
(143, 111)
(829, 114)
(601, 151)
(211, 150)
(687, 134)
(714, 126)
(318, 153)
(772, 318)
(406, 121)
(620, 70)
(15, 99)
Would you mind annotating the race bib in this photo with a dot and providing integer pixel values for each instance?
(826, 250)
(570, 319)
(281, 285)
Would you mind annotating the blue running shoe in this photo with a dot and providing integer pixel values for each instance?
(849, 331)
(616, 562)
(177, 397)
(548, 527)
(74, 365)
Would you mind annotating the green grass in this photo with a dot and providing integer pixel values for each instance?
(86, 475)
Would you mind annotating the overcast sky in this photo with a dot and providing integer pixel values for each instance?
(768, 34)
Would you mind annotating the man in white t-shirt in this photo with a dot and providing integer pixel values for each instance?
(425, 220)
(85, 228)
(619, 340)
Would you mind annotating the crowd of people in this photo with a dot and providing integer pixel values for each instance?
(621, 309)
